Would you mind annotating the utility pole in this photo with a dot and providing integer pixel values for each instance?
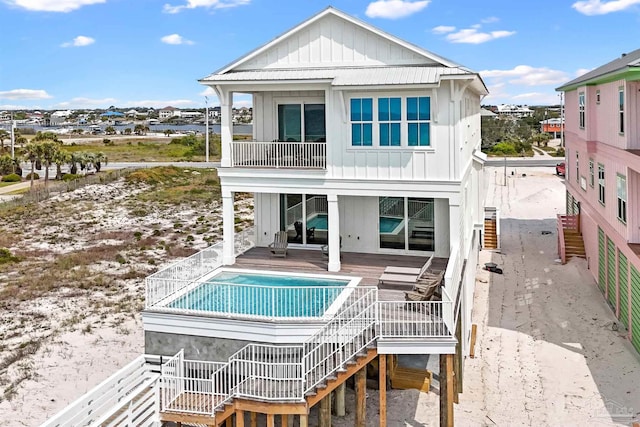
(562, 119)
(206, 136)
(13, 136)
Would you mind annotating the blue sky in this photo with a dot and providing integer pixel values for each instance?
(60, 54)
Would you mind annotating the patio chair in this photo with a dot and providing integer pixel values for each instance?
(279, 246)
(409, 270)
(399, 277)
(325, 249)
(425, 289)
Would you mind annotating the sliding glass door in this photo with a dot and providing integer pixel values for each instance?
(301, 123)
(406, 223)
(304, 217)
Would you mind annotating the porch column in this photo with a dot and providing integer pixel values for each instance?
(333, 215)
(226, 124)
(228, 229)
(454, 223)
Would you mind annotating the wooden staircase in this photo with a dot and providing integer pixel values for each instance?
(570, 241)
(490, 239)
(574, 244)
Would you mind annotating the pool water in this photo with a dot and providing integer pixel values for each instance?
(387, 224)
(262, 295)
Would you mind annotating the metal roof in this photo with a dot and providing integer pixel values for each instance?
(369, 76)
(631, 59)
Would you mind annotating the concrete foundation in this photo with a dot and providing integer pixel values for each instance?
(195, 347)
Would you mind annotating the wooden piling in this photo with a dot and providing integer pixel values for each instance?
(361, 396)
(382, 388)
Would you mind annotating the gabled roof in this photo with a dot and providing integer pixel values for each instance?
(332, 11)
(625, 63)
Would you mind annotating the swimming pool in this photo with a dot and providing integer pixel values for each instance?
(388, 225)
(262, 294)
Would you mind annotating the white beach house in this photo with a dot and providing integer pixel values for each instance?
(364, 154)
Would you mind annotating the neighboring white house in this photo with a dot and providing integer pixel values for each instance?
(514, 110)
(191, 114)
(168, 112)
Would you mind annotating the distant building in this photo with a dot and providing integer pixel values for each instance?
(554, 126)
(168, 112)
(602, 111)
(191, 114)
(514, 110)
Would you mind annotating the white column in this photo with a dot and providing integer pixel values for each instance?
(226, 125)
(333, 214)
(454, 224)
(228, 227)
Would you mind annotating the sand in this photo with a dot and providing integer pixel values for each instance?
(546, 353)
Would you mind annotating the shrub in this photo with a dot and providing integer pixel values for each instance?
(12, 177)
(6, 256)
(503, 148)
(70, 176)
(35, 176)
(107, 141)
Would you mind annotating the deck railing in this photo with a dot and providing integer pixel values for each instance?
(252, 302)
(287, 373)
(128, 397)
(298, 155)
(178, 276)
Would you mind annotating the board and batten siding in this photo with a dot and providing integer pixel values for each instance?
(611, 274)
(602, 261)
(335, 42)
(635, 307)
(603, 124)
(623, 284)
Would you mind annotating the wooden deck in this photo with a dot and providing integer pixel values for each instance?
(367, 266)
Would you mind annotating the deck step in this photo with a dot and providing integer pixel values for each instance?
(409, 378)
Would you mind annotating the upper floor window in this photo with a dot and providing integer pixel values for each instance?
(601, 183)
(362, 122)
(621, 186)
(597, 97)
(591, 173)
(581, 105)
(389, 119)
(418, 118)
(621, 110)
(577, 167)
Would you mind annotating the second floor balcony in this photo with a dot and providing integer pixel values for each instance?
(276, 154)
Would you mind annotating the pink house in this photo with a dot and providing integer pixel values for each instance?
(602, 128)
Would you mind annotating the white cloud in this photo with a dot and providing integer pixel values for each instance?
(528, 76)
(52, 5)
(208, 92)
(79, 42)
(473, 36)
(394, 9)
(443, 29)
(207, 4)
(81, 102)
(599, 7)
(14, 107)
(490, 20)
(582, 71)
(25, 94)
(161, 104)
(175, 39)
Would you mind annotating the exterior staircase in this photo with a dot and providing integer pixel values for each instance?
(570, 241)
(491, 231)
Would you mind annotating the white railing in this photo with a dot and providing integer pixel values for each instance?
(347, 334)
(268, 372)
(301, 155)
(250, 301)
(188, 385)
(413, 319)
(317, 204)
(294, 213)
(175, 278)
(422, 210)
(127, 398)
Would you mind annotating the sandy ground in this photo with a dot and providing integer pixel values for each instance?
(546, 352)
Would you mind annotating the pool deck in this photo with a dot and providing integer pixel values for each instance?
(367, 266)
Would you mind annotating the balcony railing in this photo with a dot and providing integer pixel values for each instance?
(296, 155)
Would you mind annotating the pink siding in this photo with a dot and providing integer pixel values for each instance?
(605, 115)
(613, 164)
(633, 115)
(571, 111)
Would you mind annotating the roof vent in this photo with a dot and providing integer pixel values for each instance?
(623, 55)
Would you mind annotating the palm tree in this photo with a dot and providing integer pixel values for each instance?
(61, 158)
(33, 153)
(138, 129)
(48, 152)
(99, 159)
(110, 130)
(3, 135)
(73, 161)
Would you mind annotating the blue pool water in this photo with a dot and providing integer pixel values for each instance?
(262, 295)
(387, 224)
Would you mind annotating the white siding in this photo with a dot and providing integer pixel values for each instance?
(333, 42)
